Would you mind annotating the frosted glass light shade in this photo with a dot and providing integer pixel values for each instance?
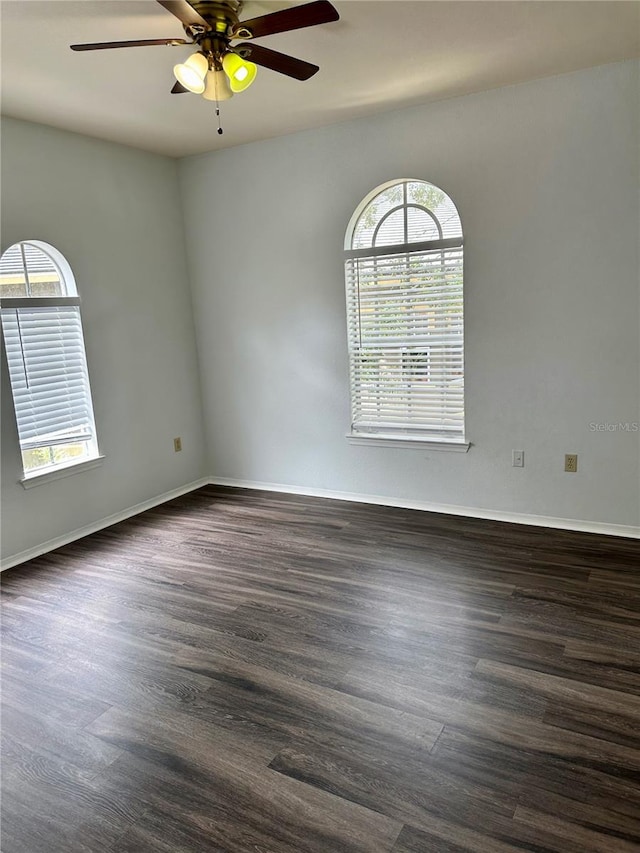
(217, 86)
(241, 73)
(191, 73)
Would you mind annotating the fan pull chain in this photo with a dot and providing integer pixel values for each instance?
(220, 130)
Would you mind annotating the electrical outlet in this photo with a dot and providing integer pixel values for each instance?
(177, 444)
(517, 458)
(571, 462)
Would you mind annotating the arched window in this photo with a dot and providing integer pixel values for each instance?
(42, 329)
(403, 260)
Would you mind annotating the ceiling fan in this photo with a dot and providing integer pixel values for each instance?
(218, 69)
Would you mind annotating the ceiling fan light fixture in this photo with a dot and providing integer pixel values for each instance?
(191, 73)
(240, 72)
(217, 86)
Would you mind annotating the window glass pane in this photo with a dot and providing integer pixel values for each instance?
(54, 454)
(373, 213)
(39, 457)
(12, 286)
(391, 230)
(69, 452)
(424, 195)
(421, 226)
(13, 280)
(40, 266)
(439, 203)
(45, 285)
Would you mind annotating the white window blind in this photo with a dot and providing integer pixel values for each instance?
(44, 345)
(404, 278)
(48, 371)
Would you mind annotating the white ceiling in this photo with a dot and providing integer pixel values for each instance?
(380, 56)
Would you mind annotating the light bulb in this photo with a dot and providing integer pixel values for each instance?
(240, 72)
(217, 86)
(191, 73)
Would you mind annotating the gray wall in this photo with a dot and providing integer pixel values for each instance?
(546, 179)
(114, 213)
(545, 176)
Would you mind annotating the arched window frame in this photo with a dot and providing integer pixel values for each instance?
(416, 396)
(44, 345)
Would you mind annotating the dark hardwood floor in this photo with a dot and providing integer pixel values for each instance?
(246, 672)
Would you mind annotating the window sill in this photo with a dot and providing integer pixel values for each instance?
(29, 481)
(414, 442)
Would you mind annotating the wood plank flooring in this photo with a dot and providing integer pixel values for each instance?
(244, 672)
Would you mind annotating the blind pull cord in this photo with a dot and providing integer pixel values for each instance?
(24, 363)
(359, 303)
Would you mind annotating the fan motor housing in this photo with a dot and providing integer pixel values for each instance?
(222, 15)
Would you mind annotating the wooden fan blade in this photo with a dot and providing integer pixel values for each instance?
(309, 15)
(280, 62)
(178, 89)
(184, 12)
(107, 45)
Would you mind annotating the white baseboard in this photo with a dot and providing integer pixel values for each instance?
(627, 531)
(65, 539)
